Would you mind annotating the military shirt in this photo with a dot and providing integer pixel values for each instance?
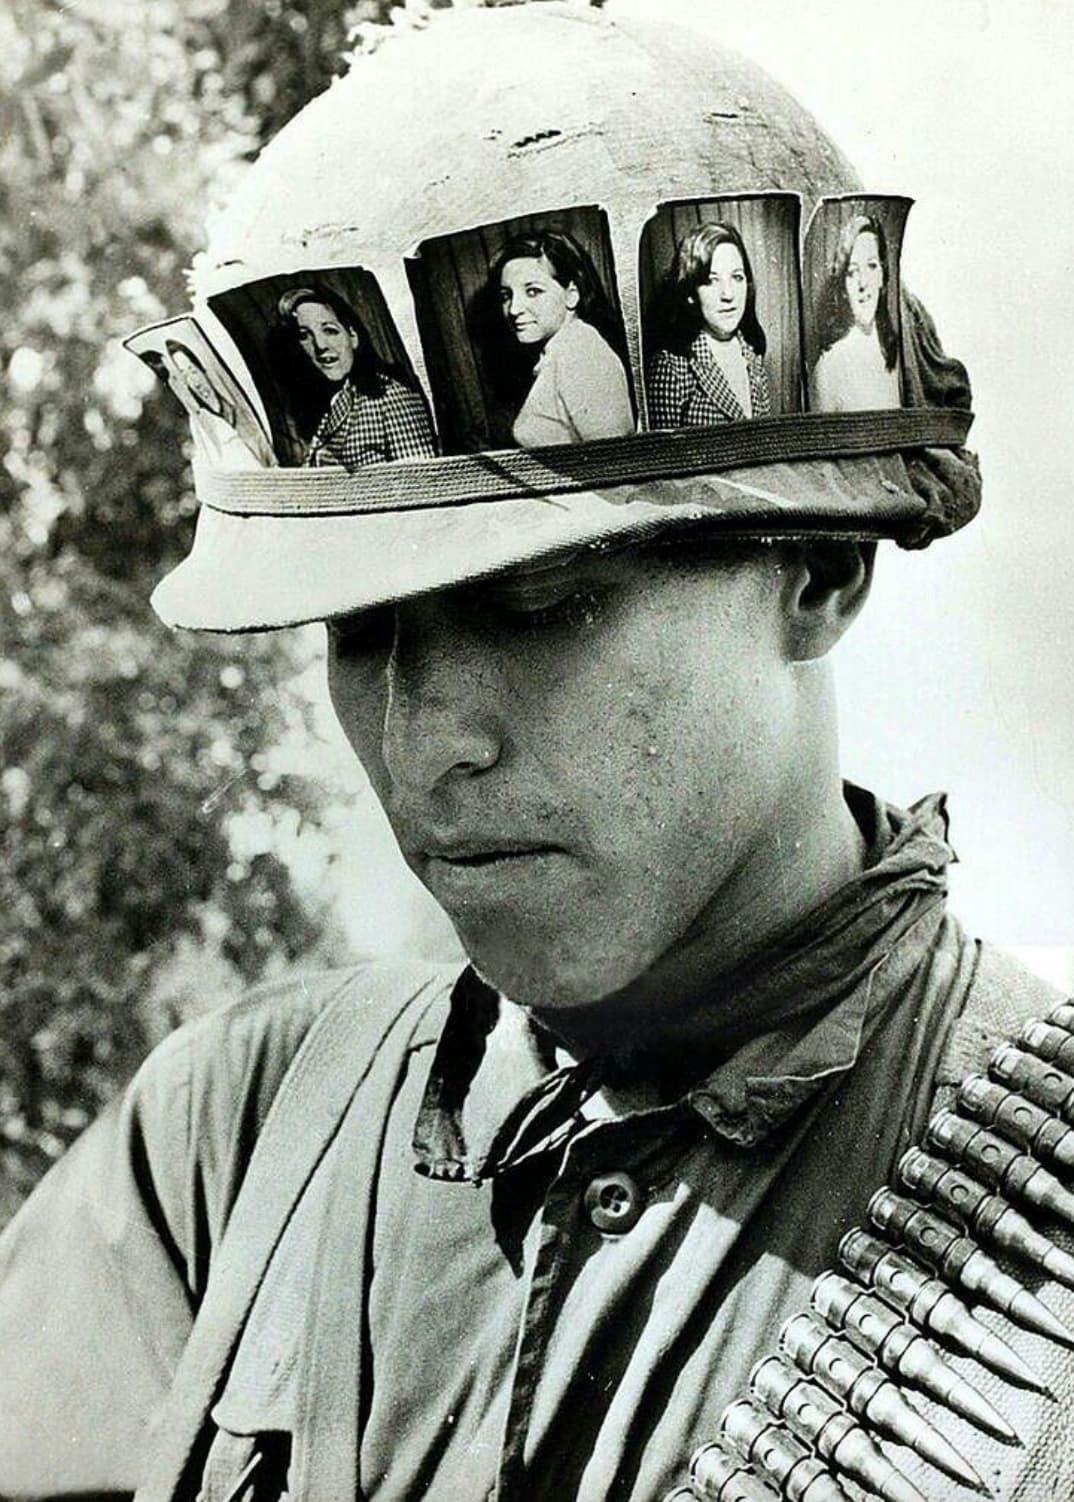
(511, 1274)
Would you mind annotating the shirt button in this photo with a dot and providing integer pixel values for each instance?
(613, 1202)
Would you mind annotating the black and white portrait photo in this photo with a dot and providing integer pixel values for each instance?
(537, 793)
(721, 311)
(226, 431)
(523, 334)
(330, 368)
(852, 250)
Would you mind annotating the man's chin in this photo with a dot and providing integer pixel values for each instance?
(549, 978)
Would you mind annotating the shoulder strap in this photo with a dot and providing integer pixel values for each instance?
(373, 1010)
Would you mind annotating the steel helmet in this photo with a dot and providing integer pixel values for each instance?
(431, 154)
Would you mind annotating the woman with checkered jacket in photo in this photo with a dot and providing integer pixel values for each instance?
(374, 414)
(709, 364)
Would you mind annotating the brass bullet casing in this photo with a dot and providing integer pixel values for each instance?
(999, 1164)
(1043, 1083)
(868, 1393)
(815, 1417)
(1062, 1016)
(798, 1474)
(878, 1331)
(1018, 1119)
(989, 1215)
(928, 1303)
(718, 1474)
(834, 1362)
(960, 1259)
(1053, 1044)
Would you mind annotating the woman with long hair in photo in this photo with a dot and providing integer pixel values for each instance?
(709, 363)
(564, 345)
(373, 411)
(858, 366)
(214, 418)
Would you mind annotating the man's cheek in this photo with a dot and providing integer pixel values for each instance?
(358, 698)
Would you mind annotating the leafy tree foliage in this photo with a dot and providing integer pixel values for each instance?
(128, 753)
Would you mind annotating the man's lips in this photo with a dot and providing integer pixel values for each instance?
(467, 869)
(476, 853)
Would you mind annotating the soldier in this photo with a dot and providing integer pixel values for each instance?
(658, 1174)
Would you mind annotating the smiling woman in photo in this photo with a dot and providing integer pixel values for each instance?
(858, 367)
(709, 364)
(373, 412)
(564, 331)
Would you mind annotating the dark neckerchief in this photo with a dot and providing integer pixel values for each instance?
(814, 988)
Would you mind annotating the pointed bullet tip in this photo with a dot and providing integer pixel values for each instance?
(998, 1355)
(943, 1455)
(1028, 1310)
(980, 1412)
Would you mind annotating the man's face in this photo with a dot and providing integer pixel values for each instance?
(578, 761)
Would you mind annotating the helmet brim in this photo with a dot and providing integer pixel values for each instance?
(263, 572)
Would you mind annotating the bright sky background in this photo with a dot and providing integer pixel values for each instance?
(960, 674)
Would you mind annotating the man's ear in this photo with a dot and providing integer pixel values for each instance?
(825, 583)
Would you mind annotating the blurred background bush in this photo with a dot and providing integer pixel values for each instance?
(149, 811)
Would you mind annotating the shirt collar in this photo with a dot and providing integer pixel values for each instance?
(824, 986)
(703, 351)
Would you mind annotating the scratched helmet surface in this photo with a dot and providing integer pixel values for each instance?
(439, 152)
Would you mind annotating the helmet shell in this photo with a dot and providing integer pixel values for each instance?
(493, 113)
(485, 115)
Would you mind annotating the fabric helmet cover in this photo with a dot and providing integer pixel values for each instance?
(484, 116)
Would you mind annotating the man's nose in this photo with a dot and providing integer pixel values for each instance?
(442, 717)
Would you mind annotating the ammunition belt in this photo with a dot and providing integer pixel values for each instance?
(809, 1423)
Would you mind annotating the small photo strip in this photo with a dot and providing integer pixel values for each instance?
(226, 431)
(522, 333)
(330, 368)
(852, 325)
(720, 310)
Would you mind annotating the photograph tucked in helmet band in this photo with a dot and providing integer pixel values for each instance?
(330, 367)
(852, 326)
(721, 315)
(522, 333)
(226, 431)
(527, 342)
